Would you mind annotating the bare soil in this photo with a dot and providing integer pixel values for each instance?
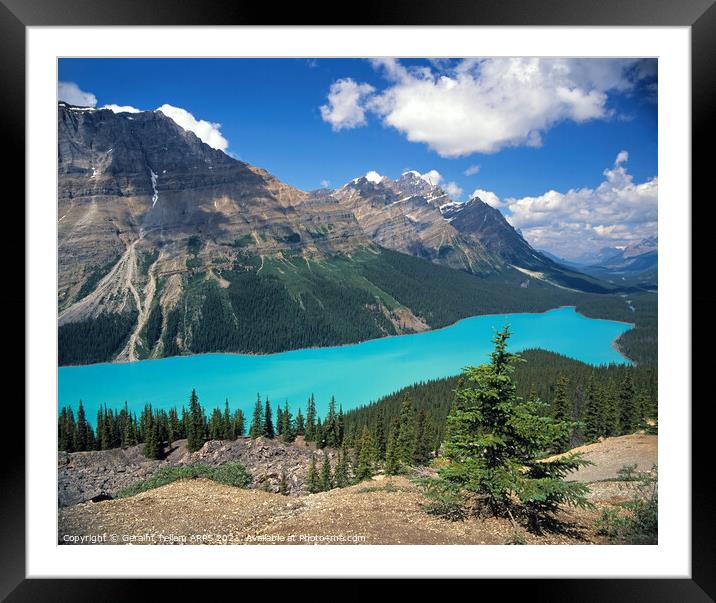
(384, 510)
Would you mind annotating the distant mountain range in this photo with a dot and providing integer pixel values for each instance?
(167, 246)
(635, 265)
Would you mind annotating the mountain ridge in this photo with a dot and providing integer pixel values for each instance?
(167, 246)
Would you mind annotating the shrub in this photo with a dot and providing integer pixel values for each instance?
(446, 500)
(637, 521)
(231, 474)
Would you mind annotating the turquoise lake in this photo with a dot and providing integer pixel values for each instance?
(355, 374)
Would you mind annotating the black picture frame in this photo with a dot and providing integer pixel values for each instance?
(699, 15)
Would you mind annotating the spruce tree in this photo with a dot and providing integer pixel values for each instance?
(379, 435)
(128, 434)
(300, 423)
(228, 424)
(257, 424)
(65, 431)
(326, 478)
(645, 409)
(497, 443)
(340, 421)
(629, 415)
(216, 425)
(313, 481)
(279, 420)
(310, 435)
(269, 430)
(562, 412)
(83, 429)
(318, 434)
(421, 454)
(152, 445)
(330, 425)
(196, 424)
(405, 446)
(340, 473)
(611, 410)
(238, 421)
(366, 457)
(594, 420)
(174, 432)
(392, 462)
(106, 437)
(288, 431)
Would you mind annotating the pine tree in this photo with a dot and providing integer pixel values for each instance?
(496, 444)
(629, 415)
(326, 478)
(562, 411)
(257, 425)
(421, 454)
(313, 480)
(269, 430)
(405, 445)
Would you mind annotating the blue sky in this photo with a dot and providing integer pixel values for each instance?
(526, 127)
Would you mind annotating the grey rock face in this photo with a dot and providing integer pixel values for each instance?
(83, 476)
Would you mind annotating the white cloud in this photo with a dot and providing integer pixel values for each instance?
(374, 177)
(483, 105)
(70, 92)
(325, 183)
(208, 132)
(345, 104)
(121, 108)
(622, 157)
(472, 170)
(453, 190)
(617, 212)
(488, 197)
(432, 177)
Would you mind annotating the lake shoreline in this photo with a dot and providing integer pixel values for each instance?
(362, 342)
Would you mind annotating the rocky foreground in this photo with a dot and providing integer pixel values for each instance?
(84, 476)
(385, 510)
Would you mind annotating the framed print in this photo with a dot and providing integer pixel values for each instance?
(321, 294)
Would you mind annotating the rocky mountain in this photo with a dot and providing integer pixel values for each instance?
(405, 215)
(414, 216)
(167, 246)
